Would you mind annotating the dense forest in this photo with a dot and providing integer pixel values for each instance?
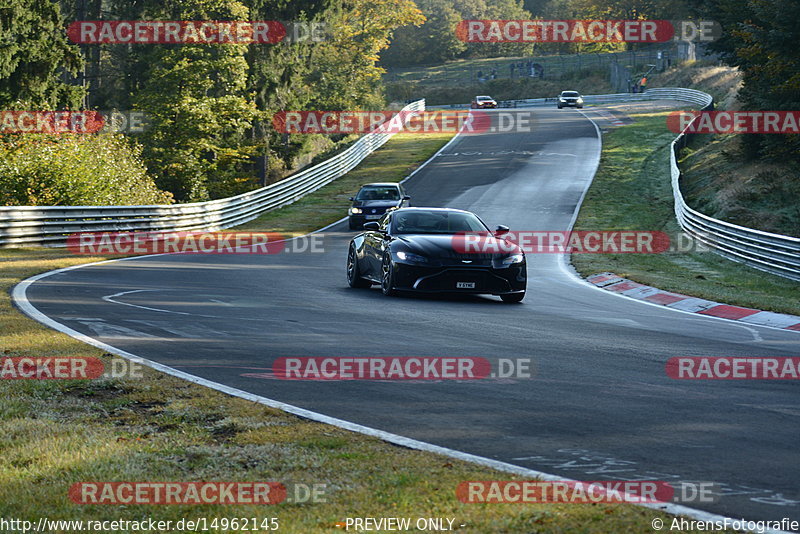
(435, 41)
(209, 106)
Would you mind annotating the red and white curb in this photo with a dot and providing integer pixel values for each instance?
(634, 290)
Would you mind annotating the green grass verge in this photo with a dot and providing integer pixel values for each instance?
(159, 428)
(632, 191)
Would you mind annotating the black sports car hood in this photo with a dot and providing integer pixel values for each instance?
(454, 246)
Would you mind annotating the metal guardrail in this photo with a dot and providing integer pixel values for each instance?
(773, 253)
(51, 225)
(667, 93)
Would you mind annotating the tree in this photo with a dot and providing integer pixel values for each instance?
(34, 52)
(433, 42)
(760, 37)
(346, 71)
(436, 40)
(197, 145)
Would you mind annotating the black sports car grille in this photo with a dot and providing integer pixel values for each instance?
(448, 279)
(453, 256)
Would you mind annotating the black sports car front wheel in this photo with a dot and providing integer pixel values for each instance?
(387, 277)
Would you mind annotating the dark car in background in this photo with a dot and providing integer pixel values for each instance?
(417, 249)
(373, 200)
(482, 102)
(570, 99)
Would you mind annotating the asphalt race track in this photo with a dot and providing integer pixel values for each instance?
(600, 406)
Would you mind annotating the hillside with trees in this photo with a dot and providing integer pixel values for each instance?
(209, 106)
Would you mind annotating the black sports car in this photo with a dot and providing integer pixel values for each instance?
(422, 250)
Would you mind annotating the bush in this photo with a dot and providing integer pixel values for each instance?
(74, 170)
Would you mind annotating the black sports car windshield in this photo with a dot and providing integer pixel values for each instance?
(378, 193)
(435, 222)
(569, 94)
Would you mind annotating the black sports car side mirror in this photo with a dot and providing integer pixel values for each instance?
(351, 199)
(501, 229)
(372, 225)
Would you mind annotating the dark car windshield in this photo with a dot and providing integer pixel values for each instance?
(435, 222)
(378, 193)
(569, 94)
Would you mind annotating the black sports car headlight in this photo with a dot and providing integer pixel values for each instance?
(410, 257)
(513, 259)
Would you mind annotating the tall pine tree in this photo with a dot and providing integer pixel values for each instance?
(36, 58)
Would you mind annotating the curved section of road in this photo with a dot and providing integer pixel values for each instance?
(600, 406)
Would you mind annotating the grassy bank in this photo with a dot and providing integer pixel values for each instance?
(158, 428)
(586, 81)
(632, 191)
(719, 180)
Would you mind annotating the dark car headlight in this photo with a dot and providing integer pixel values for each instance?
(513, 259)
(411, 257)
(355, 211)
